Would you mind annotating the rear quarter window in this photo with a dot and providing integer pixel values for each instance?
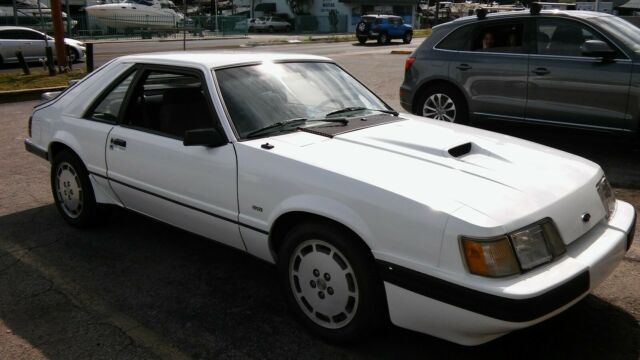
(457, 40)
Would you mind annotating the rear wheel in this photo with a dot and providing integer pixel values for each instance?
(331, 282)
(407, 37)
(72, 190)
(362, 39)
(270, 28)
(442, 102)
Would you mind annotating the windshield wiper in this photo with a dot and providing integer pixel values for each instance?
(286, 124)
(360, 108)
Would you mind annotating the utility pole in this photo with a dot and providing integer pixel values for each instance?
(58, 33)
(15, 13)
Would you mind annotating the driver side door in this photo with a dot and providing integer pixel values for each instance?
(154, 173)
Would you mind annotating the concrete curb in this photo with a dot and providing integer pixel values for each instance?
(401, 52)
(26, 94)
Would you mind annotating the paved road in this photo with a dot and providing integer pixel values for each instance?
(133, 288)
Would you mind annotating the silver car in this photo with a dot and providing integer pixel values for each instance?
(568, 68)
(32, 44)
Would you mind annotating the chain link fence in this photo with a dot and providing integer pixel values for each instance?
(90, 27)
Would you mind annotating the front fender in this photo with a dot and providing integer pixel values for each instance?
(325, 207)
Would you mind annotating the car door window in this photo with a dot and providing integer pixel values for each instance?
(457, 40)
(30, 35)
(504, 37)
(169, 103)
(563, 37)
(109, 108)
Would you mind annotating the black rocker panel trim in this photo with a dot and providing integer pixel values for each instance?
(183, 204)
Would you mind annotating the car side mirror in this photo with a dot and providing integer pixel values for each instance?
(598, 48)
(204, 137)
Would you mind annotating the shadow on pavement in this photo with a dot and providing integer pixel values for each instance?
(66, 292)
(617, 155)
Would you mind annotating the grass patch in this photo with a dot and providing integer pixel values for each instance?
(421, 32)
(39, 78)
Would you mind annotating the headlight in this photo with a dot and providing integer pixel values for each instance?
(516, 252)
(607, 196)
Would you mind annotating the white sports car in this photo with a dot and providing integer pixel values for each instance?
(370, 215)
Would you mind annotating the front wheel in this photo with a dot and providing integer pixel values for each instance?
(331, 282)
(407, 37)
(362, 39)
(72, 190)
(383, 38)
(442, 102)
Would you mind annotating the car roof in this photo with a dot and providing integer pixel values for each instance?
(16, 28)
(218, 59)
(526, 13)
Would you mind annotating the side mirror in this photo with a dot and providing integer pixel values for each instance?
(598, 48)
(204, 137)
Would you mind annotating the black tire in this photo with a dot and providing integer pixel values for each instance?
(383, 38)
(70, 179)
(407, 37)
(354, 319)
(362, 28)
(461, 114)
(287, 28)
(74, 56)
(270, 28)
(362, 39)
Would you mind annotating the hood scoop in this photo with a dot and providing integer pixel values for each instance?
(460, 150)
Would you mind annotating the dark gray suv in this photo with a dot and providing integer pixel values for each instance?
(567, 68)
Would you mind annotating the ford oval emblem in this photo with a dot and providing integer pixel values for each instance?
(585, 217)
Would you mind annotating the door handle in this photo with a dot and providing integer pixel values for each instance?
(541, 71)
(463, 67)
(118, 142)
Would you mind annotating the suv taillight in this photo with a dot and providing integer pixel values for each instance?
(30, 121)
(408, 63)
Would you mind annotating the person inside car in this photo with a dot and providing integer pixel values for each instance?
(487, 40)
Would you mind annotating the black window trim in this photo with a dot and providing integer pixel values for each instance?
(146, 68)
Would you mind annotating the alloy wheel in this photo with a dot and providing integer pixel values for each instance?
(324, 284)
(69, 190)
(440, 107)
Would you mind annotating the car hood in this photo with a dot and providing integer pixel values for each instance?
(503, 180)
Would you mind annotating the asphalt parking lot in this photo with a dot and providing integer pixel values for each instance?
(133, 288)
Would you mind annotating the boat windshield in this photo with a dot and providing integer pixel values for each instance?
(164, 4)
(139, 2)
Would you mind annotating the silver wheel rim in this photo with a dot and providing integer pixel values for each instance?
(69, 190)
(440, 107)
(324, 284)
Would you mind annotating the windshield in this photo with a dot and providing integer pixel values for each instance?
(626, 32)
(260, 95)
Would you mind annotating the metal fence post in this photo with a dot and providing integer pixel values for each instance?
(89, 57)
(23, 64)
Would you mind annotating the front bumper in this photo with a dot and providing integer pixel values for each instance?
(470, 317)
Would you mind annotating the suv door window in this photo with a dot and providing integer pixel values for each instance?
(504, 37)
(109, 108)
(169, 103)
(458, 40)
(563, 37)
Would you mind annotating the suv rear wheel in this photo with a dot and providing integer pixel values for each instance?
(442, 102)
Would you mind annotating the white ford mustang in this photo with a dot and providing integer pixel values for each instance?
(369, 214)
